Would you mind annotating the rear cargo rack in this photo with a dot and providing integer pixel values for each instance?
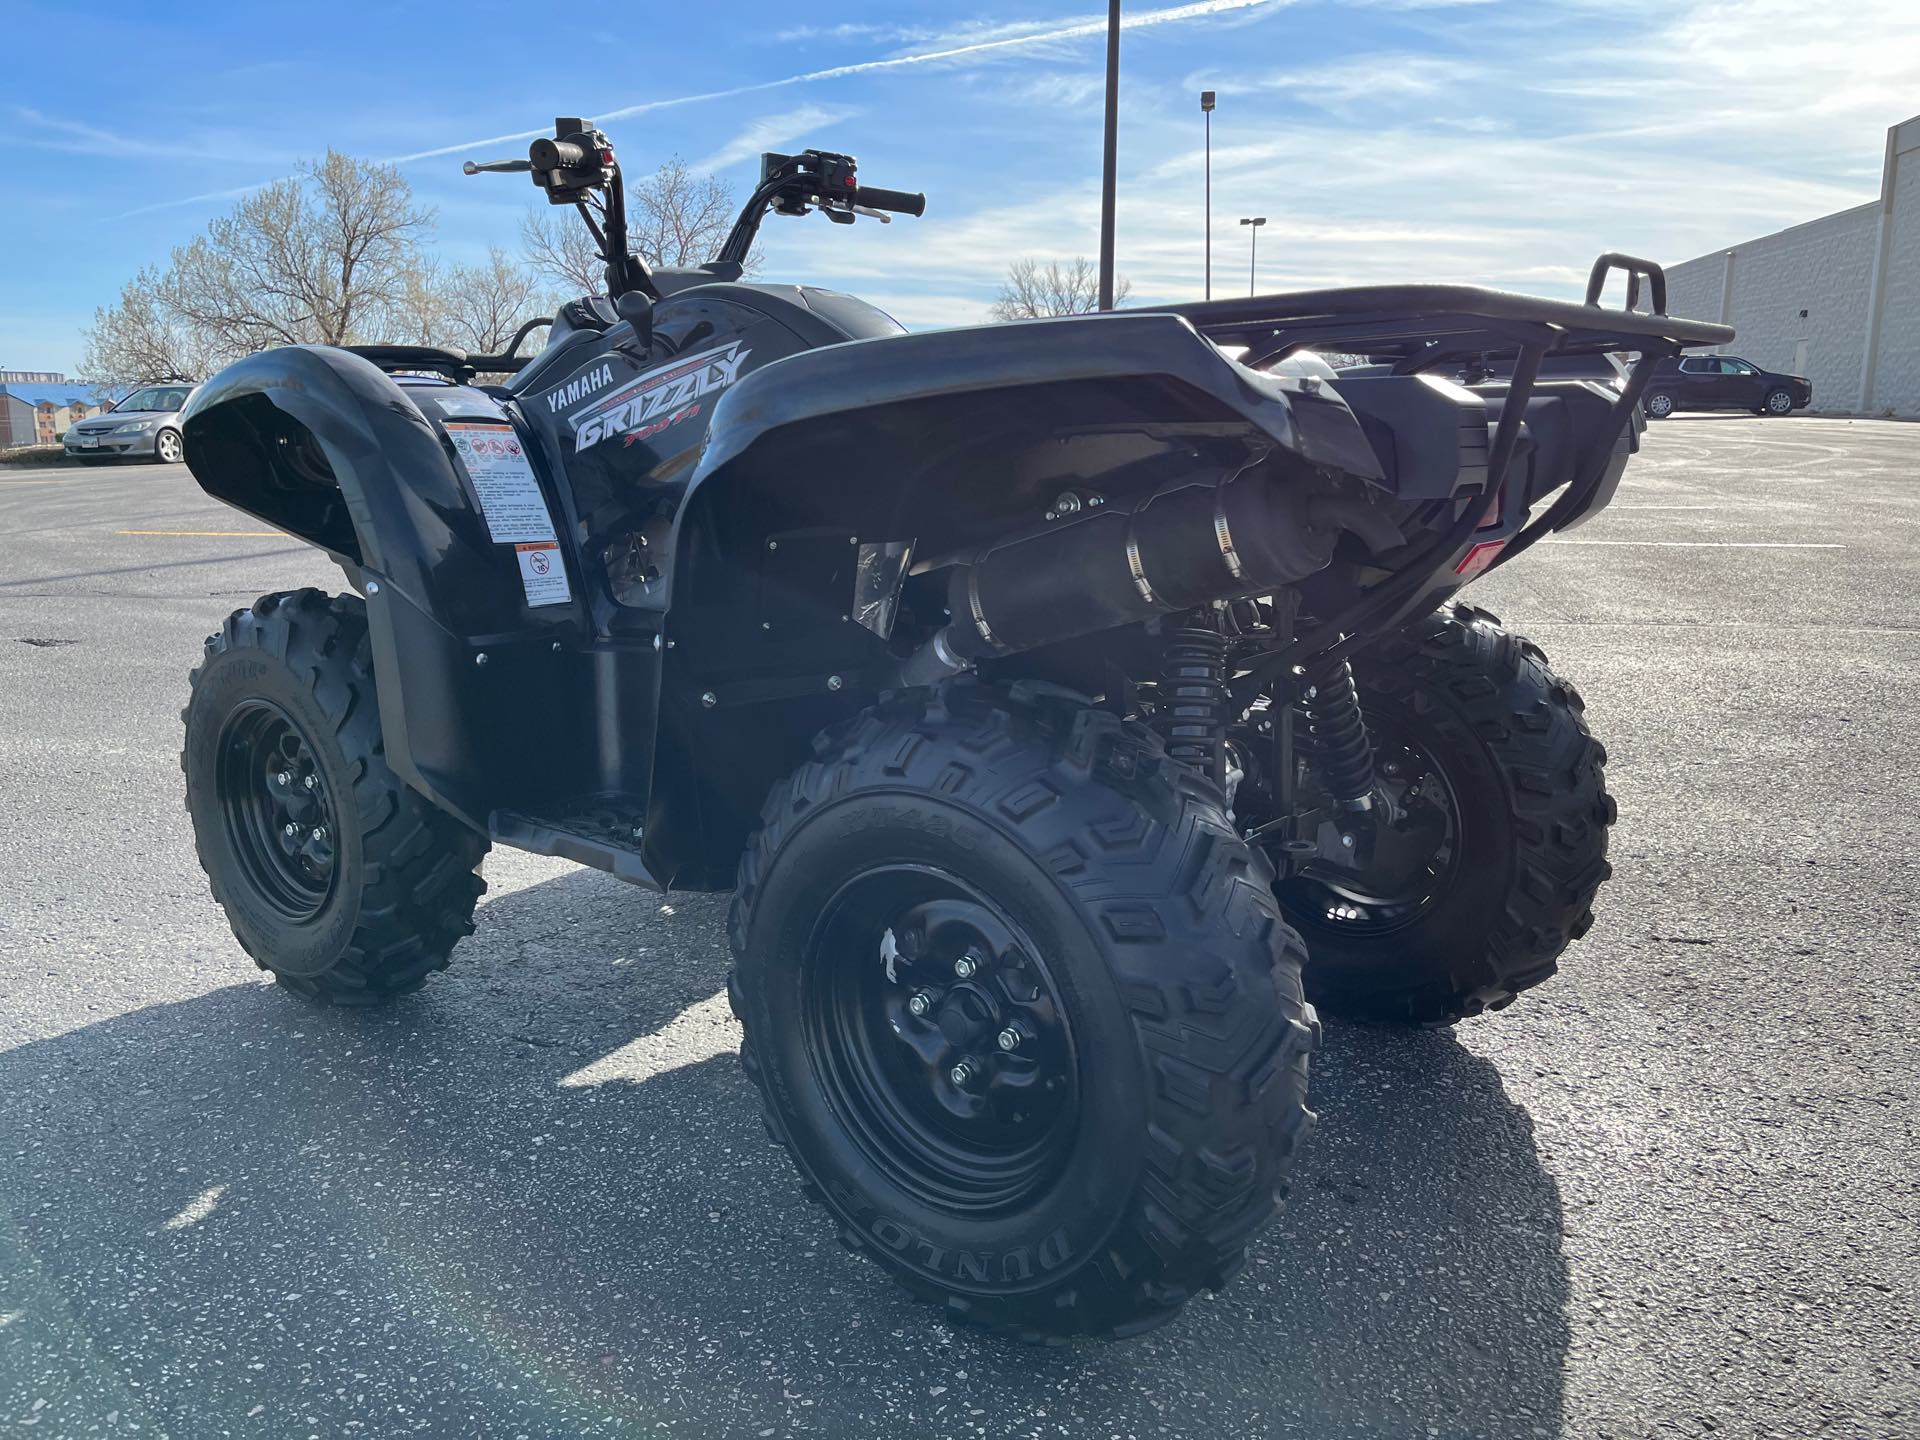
(1426, 327)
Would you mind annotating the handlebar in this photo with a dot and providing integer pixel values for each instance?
(900, 201)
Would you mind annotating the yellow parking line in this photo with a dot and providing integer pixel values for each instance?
(215, 534)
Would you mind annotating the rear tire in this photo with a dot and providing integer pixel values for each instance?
(1527, 852)
(345, 884)
(1123, 933)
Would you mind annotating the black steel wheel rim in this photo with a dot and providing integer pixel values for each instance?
(279, 815)
(936, 1033)
(1413, 792)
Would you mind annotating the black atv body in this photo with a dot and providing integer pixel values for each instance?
(1100, 597)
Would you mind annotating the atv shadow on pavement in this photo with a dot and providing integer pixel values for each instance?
(536, 1200)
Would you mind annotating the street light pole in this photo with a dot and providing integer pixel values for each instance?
(1206, 109)
(1112, 153)
(1253, 249)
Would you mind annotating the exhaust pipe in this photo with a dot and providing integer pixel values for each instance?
(1184, 546)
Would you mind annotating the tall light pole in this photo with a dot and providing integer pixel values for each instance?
(1253, 250)
(1112, 152)
(1206, 109)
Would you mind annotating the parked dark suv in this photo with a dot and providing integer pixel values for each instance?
(1724, 382)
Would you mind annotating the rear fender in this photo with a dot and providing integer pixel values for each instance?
(319, 442)
(820, 468)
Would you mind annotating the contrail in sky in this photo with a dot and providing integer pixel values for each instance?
(1073, 30)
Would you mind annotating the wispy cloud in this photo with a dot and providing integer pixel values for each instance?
(77, 137)
(960, 50)
(771, 130)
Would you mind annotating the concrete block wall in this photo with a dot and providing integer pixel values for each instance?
(1855, 274)
(1894, 372)
(1824, 268)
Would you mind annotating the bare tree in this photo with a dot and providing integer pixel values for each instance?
(1033, 291)
(324, 258)
(557, 244)
(141, 337)
(674, 217)
(476, 307)
(677, 217)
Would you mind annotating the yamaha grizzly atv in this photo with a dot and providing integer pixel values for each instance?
(1066, 704)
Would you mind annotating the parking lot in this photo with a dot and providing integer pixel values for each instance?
(1674, 1192)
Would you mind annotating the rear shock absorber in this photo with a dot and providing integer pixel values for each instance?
(1191, 711)
(1335, 741)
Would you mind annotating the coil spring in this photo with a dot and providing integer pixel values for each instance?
(1191, 713)
(1335, 739)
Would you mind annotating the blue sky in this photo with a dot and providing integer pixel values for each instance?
(1500, 142)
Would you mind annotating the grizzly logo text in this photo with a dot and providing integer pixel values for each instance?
(662, 395)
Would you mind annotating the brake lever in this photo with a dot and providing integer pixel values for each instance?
(882, 216)
(504, 167)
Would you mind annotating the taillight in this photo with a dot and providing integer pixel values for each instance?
(1479, 557)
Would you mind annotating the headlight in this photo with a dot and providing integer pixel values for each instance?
(134, 427)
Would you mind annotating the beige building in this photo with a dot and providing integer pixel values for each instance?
(1835, 299)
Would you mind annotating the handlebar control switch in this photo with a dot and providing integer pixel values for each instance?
(578, 159)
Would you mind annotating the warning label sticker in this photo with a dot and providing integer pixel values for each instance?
(542, 575)
(509, 495)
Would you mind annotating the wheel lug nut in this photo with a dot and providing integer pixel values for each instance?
(1009, 1039)
(968, 965)
(312, 782)
(962, 1074)
(919, 1004)
(319, 834)
(291, 830)
(285, 777)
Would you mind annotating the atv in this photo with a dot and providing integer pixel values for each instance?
(1070, 706)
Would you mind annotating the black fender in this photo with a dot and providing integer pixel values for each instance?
(817, 463)
(950, 437)
(322, 444)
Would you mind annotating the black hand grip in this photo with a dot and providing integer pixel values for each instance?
(557, 155)
(901, 201)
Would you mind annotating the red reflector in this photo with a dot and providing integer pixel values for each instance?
(1479, 557)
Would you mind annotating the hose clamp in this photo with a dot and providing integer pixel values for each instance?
(973, 604)
(1223, 535)
(1138, 570)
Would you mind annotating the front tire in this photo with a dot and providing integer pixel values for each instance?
(1493, 753)
(168, 448)
(345, 884)
(1658, 406)
(1020, 1005)
(1778, 402)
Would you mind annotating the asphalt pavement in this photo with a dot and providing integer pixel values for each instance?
(1676, 1191)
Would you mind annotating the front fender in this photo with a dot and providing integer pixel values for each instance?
(324, 445)
(319, 442)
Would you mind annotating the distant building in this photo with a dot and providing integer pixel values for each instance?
(1835, 299)
(39, 412)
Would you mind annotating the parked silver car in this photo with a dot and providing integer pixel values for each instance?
(146, 423)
